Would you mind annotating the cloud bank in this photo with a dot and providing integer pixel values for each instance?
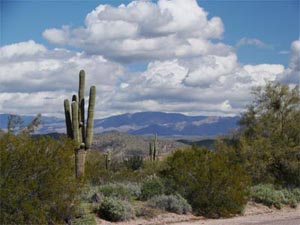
(189, 69)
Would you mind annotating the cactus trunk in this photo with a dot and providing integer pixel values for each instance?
(80, 156)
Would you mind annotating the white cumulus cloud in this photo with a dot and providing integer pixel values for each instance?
(143, 30)
(292, 74)
(38, 80)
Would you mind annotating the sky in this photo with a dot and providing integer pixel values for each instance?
(193, 57)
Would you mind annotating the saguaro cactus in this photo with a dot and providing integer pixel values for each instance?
(153, 150)
(107, 159)
(75, 123)
(150, 151)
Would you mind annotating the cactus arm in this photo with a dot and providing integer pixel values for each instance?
(68, 118)
(81, 105)
(90, 120)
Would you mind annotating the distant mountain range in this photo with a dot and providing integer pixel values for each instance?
(143, 123)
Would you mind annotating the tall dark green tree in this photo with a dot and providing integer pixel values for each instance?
(270, 135)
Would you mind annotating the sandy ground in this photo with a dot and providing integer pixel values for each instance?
(254, 214)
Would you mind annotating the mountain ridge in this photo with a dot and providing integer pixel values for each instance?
(145, 123)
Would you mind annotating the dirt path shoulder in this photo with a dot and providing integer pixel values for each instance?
(255, 214)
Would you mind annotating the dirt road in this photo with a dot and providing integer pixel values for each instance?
(255, 214)
(285, 216)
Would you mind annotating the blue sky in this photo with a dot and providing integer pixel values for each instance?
(240, 40)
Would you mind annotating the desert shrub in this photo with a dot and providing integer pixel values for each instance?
(269, 196)
(170, 203)
(134, 189)
(134, 162)
(95, 171)
(37, 180)
(92, 194)
(212, 184)
(114, 209)
(121, 191)
(147, 212)
(296, 192)
(151, 186)
(87, 192)
(83, 216)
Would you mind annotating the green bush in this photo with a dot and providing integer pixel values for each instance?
(134, 162)
(151, 186)
(83, 216)
(95, 171)
(134, 189)
(87, 192)
(122, 191)
(269, 135)
(113, 209)
(212, 184)
(269, 196)
(170, 203)
(37, 180)
(296, 192)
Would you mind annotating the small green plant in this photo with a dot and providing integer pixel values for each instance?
(269, 196)
(87, 193)
(83, 216)
(296, 192)
(113, 209)
(170, 203)
(134, 189)
(151, 186)
(134, 162)
(121, 191)
(95, 170)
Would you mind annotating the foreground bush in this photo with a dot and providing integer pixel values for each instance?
(37, 180)
(151, 186)
(269, 196)
(170, 203)
(212, 184)
(114, 209)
